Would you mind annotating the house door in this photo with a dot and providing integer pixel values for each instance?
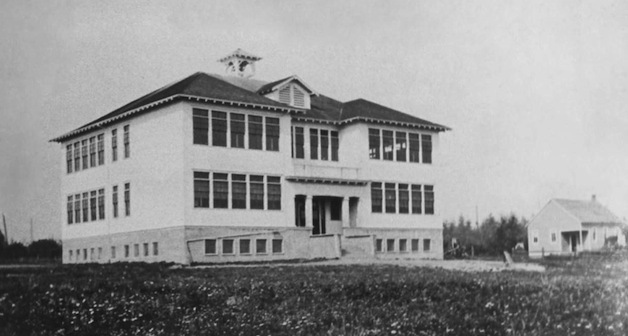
(318, 216)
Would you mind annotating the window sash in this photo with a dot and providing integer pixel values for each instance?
(127, 199)
(391, 198)
(416, 199)
(299, 138)
(273, 190)
(221, 191)
(429, 200)
(415, 146)
(77, 156)
(70, 209)
(201, 190)
(200, 125)
(85, 207)
(210, 246)
(257, 194)
(256, 130)
(404, 199)
(238, 127)
(219, 128)
(374, 143)
(324, 145)
(401, 146)
(376, 197)
(426, 147)
(114, 201)
(77, 208)
(238, 194)
(314, 143)
(272, 134)
(92, 206)
(334, 145)
(101, 204)
(388, 140)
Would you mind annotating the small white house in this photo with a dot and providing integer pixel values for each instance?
(570, 226)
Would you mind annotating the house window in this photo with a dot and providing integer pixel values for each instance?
(70, 209)
(126, 251)
(237, 130)
(378, 245)
(299, 143)
(594, 234)
(553, 237)
(374, 143)
(127, 199)
(390, 245)
(77, 156)
(146, 249)
(391, 199)
(245, 246)
(85, 154)
(277, 245)
(429, 200)
(78, 254)
(221, 191)
(313, 143)
(85, 207)
(256, 132)
(77, 208)
(201, 190)
(200, 124)
(334, 145)
(136, 250)
(210, 246)
(416, 199)
(376, 197)
(415, 147)
(238, 191)
(68, 157)
(388, 139)
(256, 191)
(99, 252)
(324, 145)
(227, 246)
(101, 149)
(101, 204)
(415, 245)
(92, 152)
(155, 248)
(114, 145)
(403, 245)
(426, 245)
(70, 252)
(113, 252)
(127, 142)
(404, 199)
(272, 134)
(273, 188)
(114, 199)
(219, 129)
(91, 253)
(260, 246)
(426, 142)
(401, 146)
(535, 237)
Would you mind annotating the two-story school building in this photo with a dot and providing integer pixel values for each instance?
(222, 168)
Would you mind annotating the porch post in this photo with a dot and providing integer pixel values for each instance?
(581, 242)
(345, 212)
(309, 221)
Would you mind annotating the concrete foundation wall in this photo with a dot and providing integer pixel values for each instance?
(435, 237)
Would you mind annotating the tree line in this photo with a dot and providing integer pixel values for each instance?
(43, 249)
(491, 237)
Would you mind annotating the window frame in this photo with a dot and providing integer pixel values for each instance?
(200, 126)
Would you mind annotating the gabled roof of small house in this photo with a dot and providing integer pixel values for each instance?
(588, 212)
(245, 92)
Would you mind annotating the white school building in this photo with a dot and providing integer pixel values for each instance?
(229, 168)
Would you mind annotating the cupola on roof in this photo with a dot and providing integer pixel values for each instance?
(240, 63)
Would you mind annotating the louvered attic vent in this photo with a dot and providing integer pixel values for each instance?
(292, 95)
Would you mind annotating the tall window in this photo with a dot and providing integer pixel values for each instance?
(101, 149)
(274, 192)
(114, 145)
(68, 158)
(77, 156)
(256, 131)
(324, 145)
(391, 198)
(334, 145)
(238, 191)
(237, 130)
(404, 199)
(426, 142)
(429, 200)
(221, 191)
(85, 154)
(200, 125)
(313, 143)
(388, 145)
(416, 199)
(77, 208)
(115, 201)
(272, 134)
(92, 152)
(201, 190)
(219, 128)
(401, 145)
(299, 143)
(85, 207)
(257, 191)
(101, 204)
(374, 143)
(414, 147)
(92, 205)
(376, 197)
(127, 199)
(127, 142)
(70, 209)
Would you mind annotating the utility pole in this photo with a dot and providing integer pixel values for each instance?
(6, 234)
(32, 240)
(477, 221)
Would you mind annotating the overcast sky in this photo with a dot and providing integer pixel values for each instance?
(536, 91)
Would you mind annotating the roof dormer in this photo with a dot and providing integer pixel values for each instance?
(290, 91)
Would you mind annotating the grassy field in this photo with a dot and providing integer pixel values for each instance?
(586, 296)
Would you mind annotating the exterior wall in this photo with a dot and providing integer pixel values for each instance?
(154, 171)
(435, 237)
(552, 218)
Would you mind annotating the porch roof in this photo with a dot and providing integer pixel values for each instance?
(326, 180)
